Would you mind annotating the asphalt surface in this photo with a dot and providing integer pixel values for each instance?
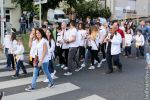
(128, 85)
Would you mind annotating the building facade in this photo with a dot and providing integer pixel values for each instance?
(12, 14)
(122, 9)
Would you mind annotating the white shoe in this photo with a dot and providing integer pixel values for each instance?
(62, 66)
(67, 73)
(54, 77)
(91, 67)
(65, 68)
(53, 74)
(83, 65)
(103, 60)
(46, 80)
(78, 69)
(95, 62)
(99, 65)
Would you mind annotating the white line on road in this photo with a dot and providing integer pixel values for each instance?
(93, 97)
(3, 61)
(3, 66)
(44, 92)
(9, 73)
(19, 82)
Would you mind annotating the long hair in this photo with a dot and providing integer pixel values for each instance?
(43, 34)
(13, 37)
(94, 32)
(51, 35)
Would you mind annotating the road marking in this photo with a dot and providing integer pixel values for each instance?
(9, 73)
(3, 61)
(4, 65)
(19, 82)
(93, 97)
(44, 92)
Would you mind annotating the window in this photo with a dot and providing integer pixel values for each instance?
(7, 15)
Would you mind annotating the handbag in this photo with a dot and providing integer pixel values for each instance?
(35, 61)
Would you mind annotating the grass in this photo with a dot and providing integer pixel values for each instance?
(25, 42)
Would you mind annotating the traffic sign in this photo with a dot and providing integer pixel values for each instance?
(37, 2)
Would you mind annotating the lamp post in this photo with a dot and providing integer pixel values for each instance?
(2, 21)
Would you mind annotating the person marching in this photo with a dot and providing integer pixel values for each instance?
(42, 60)
(113, 49)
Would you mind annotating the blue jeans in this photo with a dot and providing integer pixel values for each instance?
(20, 64)
(87, 55)
(46, 72)
(50, 67)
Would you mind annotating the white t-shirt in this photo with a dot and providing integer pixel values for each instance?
(81, 37)
(73, 32)
(59, 38)
(39, 48)
(51, 49)
(33, 48)
(128, 39)
(7, 41)
(19, 52)
(103, 33)
(13, 46)
(95, 43)
(65, 37)
(139, 40)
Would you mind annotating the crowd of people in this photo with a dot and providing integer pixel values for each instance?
(75, 45)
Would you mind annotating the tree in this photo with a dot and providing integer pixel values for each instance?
(27, 5)
(92, 8)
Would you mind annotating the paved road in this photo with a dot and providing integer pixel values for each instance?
(84, 85)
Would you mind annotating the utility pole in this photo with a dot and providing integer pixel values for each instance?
(40, 8)
(2, 21)
(105, 4)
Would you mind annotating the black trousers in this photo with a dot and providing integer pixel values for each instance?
(10, 61)
(127, 50)
(103, 47)
(116, 61)
(66, 51)
(94, 55)
(81, 52)
(141, 50)
(59, 53)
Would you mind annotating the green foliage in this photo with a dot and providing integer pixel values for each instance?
(26, 5)
(92, 8)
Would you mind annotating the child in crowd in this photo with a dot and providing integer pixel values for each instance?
(128, 40)
(19, 58)
(139, 43)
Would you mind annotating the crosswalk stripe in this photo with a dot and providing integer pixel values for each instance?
(93, 97)
(3, 61)
(9, 73)
(44, 92)
(19, 82)
(3, 66)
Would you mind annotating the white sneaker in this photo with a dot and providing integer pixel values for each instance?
(53, 74)
(67, 73)
(83, 65)
(62, 66)
(103, 60)
(46, 80)
(78, 69)
(91, 67)
(95, 62)
(65, 68)
(99, 65)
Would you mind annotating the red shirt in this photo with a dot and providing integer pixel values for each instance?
(121, 32)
